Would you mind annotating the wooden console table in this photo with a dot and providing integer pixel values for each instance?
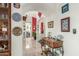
(50, 43)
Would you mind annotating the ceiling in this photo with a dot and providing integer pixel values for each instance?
(46, 8)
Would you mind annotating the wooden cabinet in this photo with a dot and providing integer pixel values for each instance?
(5, 29)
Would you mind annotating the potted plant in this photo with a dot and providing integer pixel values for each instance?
(34, 35)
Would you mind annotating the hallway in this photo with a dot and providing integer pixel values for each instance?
(33, 48)
(34, 29)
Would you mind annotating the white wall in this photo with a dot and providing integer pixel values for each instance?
(16, 40)
(17, 47)
(39, 34)
(71, 41)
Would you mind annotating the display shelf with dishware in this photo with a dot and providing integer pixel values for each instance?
(5, 29)
(3, 46)
(3, 16)
(4, 5)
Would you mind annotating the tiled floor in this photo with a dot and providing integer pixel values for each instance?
(31, 47)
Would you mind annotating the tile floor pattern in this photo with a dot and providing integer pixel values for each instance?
(33, 48)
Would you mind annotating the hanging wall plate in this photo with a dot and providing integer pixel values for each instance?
(16, 5)
(16, 17)
(17, 31)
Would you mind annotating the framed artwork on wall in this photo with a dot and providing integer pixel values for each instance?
(65, 8)
(16, 5)
(74, 31)
(65, 24)
(51, 24)
(42, 27)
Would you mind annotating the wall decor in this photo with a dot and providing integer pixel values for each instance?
(42, 27)
(16, 17)
(24, 18)
(17, 31)
(27, 34)
(37, 27)
(65, 8)
(65, 24)
(51, 24)
(74, 31)
(39, 14)
(34, 21)
(16, 5)
(49, 34)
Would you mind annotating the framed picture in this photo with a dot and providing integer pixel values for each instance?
(42, 27)
(74, 31)
(51, 24)
(16, 5)
(65, 8)
(65, 24)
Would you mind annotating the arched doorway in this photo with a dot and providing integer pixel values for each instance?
(31, 46)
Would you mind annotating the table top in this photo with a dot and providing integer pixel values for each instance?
(51, 42)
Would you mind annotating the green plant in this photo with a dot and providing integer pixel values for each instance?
(34, 35)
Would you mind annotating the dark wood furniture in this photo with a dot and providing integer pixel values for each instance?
(51, 43)
(5, 29)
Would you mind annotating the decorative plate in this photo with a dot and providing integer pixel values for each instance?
(16, 5)
(17, 31)
(16, 17)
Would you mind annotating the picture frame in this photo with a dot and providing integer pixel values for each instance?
(65, 8)
(16, 5)
(42, 27)
(65, 24)
(74, 31)
(51, 24)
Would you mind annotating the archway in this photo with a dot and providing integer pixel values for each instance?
(31, 33)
